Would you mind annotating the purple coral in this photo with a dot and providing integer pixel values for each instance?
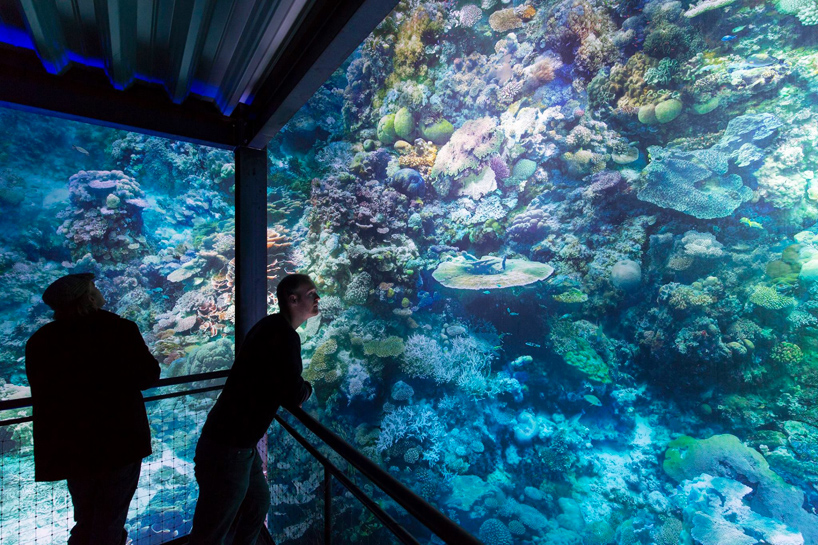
(528, 227)
(602, 181)
(500, 168)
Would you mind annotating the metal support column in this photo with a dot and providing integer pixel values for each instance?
(251, 239)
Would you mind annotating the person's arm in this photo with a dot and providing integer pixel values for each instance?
(142, 367)
(294, 390)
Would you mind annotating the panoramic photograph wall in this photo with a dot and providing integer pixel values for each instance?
(568, 259)
(153, 219)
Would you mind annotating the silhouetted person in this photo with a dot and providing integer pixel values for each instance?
(86, 370)
(233, 494)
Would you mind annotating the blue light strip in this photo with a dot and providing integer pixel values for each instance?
(18, 37)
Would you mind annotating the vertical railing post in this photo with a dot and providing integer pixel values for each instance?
(251, 248)
(251, 239)
(327, 507)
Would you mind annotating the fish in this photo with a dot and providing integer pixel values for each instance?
(728, 38)
(487, 292)
(512, 313)
(535, 345)
(750, 223)
(81, 150)
(738, 29)
(593, 400)
(761, 59)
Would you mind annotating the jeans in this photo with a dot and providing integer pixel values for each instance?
(233, 495)
(101, 501)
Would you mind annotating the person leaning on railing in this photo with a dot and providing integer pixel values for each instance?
(233, 494)
(86, 370)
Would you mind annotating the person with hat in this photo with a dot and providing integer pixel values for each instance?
(86, 370)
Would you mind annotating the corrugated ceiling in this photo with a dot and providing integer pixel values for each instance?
(219, 50)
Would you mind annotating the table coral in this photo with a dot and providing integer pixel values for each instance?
(694, 182)
(461, 274)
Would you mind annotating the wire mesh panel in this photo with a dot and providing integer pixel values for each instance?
(296, 488)
(30, 512)
(350, 521)
(162, 507)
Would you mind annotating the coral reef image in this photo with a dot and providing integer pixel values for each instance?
(568, 259)
(153, 219)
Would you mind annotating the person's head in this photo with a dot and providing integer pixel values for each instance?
(73, 295)
(297, 298)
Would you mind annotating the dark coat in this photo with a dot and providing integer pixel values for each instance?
(266, 375)
(86, 377)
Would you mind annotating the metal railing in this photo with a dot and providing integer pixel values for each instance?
(415, 507)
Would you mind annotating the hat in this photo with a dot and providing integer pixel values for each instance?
(66, 290)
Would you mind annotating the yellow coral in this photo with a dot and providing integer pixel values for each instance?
(526, 12)
(421, 158)
(321, 368)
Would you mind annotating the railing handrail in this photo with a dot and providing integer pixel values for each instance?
(434, 520)
(420, 509)
(22, 402)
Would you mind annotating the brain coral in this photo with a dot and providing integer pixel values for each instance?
(693, 182)
(494, 532)
(470, 145)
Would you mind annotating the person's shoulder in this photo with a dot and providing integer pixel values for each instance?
(43, 333)
(273, 320)
(112, 320)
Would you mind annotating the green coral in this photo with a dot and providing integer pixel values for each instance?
(523, 169)
(585, 359)
(386, 130)
(439, 131)
(785, 353)
(573, 295)
(384, 348)
(769, 298)
(404, 123)
(668, 110)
